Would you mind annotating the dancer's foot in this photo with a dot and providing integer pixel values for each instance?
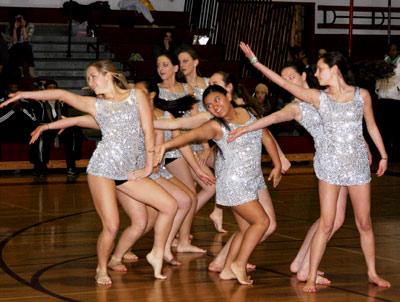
(188, 248)
(217, 220)
(310, 287)
(102, 278)
(322, 280)
(378, 281)
(302, 276)
(295, 267)
(216, 267)
(172, 261)
(116, 265)
(130, 257)
(227, 274)
(241, 274)
(156, 263)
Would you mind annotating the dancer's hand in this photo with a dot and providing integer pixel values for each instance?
(235, 133)
(35, 134)
(13, 98)
(285, 164)
(275, 176)
(382, 167)
(140, 174)
(246, 50)
(203, 156)
(159, 154)
(206, 176)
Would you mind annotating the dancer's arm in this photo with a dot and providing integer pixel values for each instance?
(287, 113)
(189, 122)
(81, 103)
(272, 150)
(305, 94)
(373, 131)
(285, 163)
(208, 131)
(84, 121)
(146, 120)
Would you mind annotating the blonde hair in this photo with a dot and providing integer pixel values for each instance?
(104, 66)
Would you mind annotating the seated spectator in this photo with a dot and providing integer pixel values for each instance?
(47, 112)
(261, 94)
(166, 44)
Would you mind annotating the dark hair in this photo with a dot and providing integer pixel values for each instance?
(170, 56)
(311, 80)
(217, 88)
(50, 82)
(151, 86)
(332, 58)
(187, 49)
(176, 107)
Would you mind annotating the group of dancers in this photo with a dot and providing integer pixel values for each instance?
(149, 160)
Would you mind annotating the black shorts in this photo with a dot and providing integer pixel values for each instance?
(120, 182)
(170, 160)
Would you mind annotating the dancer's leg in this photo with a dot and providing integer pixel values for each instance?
(361, 200)
(166, 206)
(105, 201)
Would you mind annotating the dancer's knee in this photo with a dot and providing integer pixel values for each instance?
(364, 225)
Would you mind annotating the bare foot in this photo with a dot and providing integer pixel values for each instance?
(116, 265)
(130, 257)
(217, 220)
(217, 268)
(169, 258)
(241, 274)
(322, 280)
(227, 274)
(189, 249)
(379, 281)
(156, 263)
(294, 267)
(310, 287)
(102, 278)
(302, 277)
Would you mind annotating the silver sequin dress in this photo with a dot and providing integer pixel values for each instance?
(239, 176)
(311, 120)
(121, 149)
(345, 158)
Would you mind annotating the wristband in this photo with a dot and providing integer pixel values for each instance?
(253, 60)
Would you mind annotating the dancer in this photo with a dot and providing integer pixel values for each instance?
(240, 181)
(344, 154)
(170, 89)
(188, 63)
(125, 119)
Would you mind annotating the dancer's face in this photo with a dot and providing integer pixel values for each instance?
(99, 82)
(166, 70)
(217, 104)
(187, 64)
(324, 73)
(292, 75)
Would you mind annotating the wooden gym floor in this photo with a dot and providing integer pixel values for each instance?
(48, 232)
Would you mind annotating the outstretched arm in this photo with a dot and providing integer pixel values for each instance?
(190, 122)
(373, 131)
(305, 94)
(84, 121)
(81, 103)
(208, 131)
(287, 113)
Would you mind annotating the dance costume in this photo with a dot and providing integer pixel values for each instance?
(239, 174)
(121, 149)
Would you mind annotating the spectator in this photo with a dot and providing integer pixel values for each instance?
(166, 44)
(21, 50)
(261, 93)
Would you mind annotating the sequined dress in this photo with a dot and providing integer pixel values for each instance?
(345, 152)
(239, 176)
(311, 120)
(121, 149)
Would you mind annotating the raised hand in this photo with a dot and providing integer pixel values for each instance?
(235, 133)
(246, 50)
(13, 98)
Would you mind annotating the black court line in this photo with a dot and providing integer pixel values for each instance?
(14, 275)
